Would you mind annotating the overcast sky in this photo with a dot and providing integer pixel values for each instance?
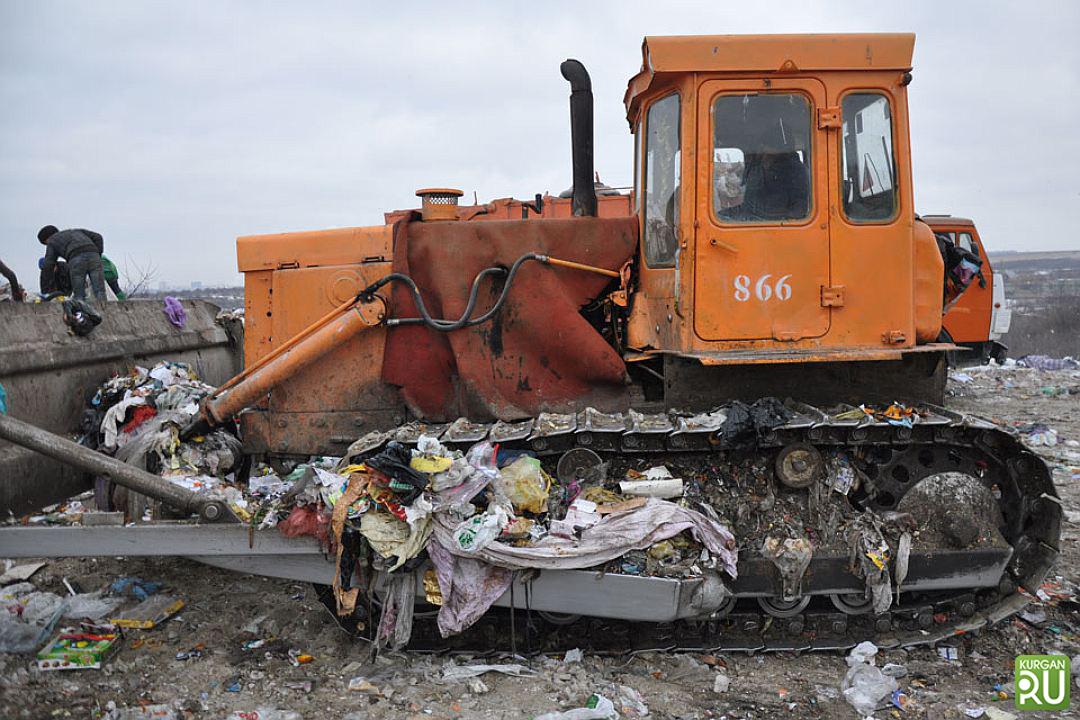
(172, 128)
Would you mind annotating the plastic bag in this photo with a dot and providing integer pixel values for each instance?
(91, 606)
(597, 707)
(16, 636)
(524, 483)
(80, 317)
(865, 686)
(479, 531)
(459, 471)
(482, 457)
(38, 607)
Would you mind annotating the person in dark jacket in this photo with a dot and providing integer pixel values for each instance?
(57, 282)
(82, 249)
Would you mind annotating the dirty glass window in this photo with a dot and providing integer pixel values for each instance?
(968, 243)
(869, 167)
(662, 180)
(761, 158)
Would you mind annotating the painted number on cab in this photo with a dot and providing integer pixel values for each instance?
(763, 289)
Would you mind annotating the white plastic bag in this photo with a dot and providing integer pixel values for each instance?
(597, 708)
(479, 531)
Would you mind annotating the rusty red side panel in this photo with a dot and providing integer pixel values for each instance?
(538, 353)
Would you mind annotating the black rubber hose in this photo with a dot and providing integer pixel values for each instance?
(466, 319)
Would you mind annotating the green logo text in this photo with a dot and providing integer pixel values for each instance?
(1042, 682)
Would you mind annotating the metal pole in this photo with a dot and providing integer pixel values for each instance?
(131, 477)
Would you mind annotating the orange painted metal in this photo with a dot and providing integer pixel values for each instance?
(297, 354)
(757, 54)
(857, 290)
(793, 255)
(929, 276)
(581, 266)
(968, 319)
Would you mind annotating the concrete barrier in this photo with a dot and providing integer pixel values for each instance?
(49, 374)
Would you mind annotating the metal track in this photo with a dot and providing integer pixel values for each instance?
(896, 459)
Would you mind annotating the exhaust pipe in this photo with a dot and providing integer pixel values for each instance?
(581, 136)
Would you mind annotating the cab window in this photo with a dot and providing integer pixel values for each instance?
(761, 158)
(969, 244)
(869, 168)
(662, 181)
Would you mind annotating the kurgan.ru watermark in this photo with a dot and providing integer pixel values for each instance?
(1042, 682)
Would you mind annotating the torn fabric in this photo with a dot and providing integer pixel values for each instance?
(612, 537)
(469, 587)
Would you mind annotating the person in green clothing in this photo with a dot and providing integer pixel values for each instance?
(112, 277)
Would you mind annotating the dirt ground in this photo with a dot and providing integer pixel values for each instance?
(222, 605)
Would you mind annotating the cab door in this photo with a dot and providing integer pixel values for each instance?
(762, 232)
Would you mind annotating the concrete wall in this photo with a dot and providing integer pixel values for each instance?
(49, 374)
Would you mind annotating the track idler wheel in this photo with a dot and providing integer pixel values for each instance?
(798, 465)
(779, 608)
(852, 603)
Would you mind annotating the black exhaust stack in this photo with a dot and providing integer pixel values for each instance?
(581, 136)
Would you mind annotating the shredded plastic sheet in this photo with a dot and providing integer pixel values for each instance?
(614, 536)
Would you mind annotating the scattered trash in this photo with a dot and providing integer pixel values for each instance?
(865, 686)
(140, 712)
(721, 683)
(948, 653)
(1033, 615)
(477, 686)
(90, 606)
(972, 711)
(1045, 362)
(597, 707)
(192, 654)
(655, 482)
(80, 317)
(894, 670)
(20, 573)
(265, 713)
(628, 701)
(149, 613)
(361, 684)
(72, 650)
(134, 586)
(573, 656)
(525, 484)
(174, 311)
(460, 672)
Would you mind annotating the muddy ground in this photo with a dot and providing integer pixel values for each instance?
(222, 605)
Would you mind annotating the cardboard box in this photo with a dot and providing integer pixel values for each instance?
(76, 650)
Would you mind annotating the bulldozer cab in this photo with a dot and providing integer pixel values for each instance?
(773, 190)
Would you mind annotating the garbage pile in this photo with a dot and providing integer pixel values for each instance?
(138, 418)
(455, 525)
(28, 618)
(478, 516)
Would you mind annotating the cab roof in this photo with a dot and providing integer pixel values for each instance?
(766, 53)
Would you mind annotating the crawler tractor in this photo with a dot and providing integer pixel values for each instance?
(768, 266)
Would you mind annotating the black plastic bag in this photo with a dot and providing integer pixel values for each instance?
(80, 317)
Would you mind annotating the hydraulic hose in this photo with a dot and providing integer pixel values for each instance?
(466, 319)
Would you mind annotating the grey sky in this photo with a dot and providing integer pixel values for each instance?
(174, 127)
